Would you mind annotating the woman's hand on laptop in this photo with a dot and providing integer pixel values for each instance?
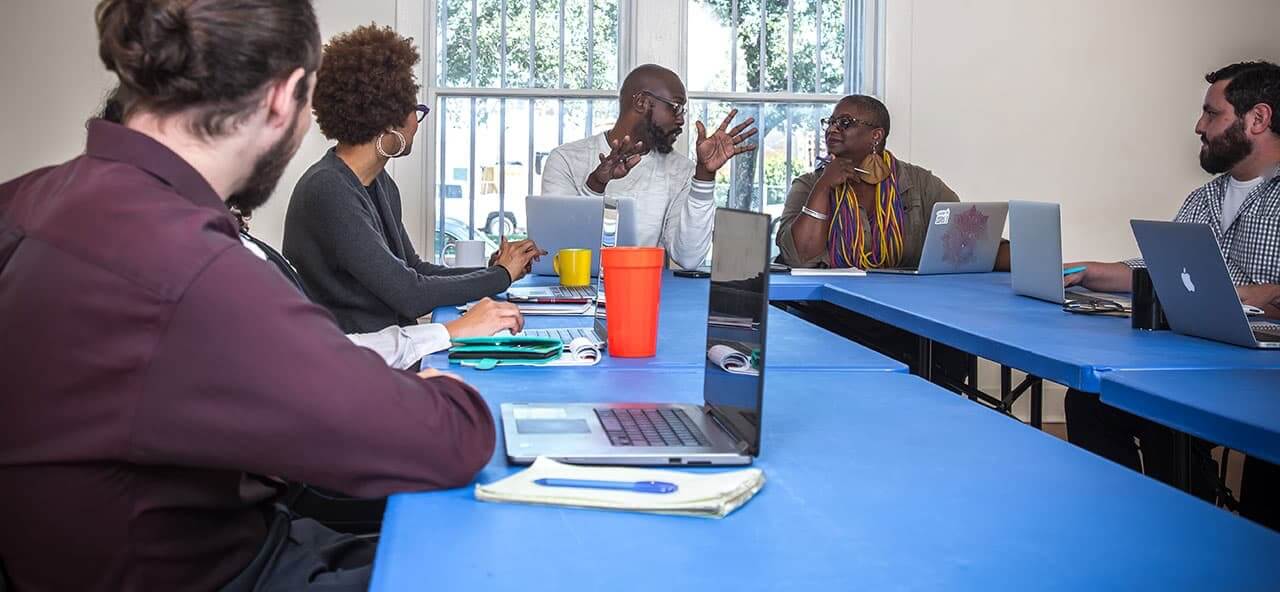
(1263, 296)
(518, 257)
(486, 318)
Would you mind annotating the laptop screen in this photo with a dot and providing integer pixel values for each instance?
(609, 225)
(733, 383)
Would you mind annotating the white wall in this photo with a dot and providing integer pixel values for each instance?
(1088, 103)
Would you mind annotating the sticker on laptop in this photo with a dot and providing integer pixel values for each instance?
(525, 412)
(942, 217)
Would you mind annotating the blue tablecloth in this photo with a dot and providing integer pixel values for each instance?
(980, 314)
(877, 481)
(1237, 408)
(682, 332)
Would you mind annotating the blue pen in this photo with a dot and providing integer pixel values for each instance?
(1071, 270)
(636, 486)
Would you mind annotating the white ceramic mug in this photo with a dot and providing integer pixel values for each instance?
(466, 253)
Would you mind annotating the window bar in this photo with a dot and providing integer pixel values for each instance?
(763, 189)
(444, 46)
(502, 51)
(560, 81)
(529, 167)
(533, 82)
(444, 136)
(786, 110)
(533, 46)
(762, 58)
(502, 165)
(817, 49)
(471, 177)
(591, 111)
(851, 86)
(591, 49)
(733, 52)
(818, 133)
(502, 119)
(473, 44)
(791, 19)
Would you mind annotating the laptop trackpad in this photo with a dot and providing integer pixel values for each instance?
(552, 426)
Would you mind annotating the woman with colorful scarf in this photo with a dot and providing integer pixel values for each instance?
(863, 208)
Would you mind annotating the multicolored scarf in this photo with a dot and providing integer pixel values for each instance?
(846, 240)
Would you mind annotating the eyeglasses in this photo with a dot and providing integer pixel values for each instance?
(422, 110)
(845, 122)
(1094, 306)
(676, 108)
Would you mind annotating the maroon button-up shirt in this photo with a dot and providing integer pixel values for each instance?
(151, 366)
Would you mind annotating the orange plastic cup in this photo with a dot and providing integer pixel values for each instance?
(632, 292)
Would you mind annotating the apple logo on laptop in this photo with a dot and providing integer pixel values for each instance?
(1186, 281)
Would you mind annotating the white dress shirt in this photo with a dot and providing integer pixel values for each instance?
(399, 347)
(673, 210)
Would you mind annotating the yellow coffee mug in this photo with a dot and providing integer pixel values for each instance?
(574, 267)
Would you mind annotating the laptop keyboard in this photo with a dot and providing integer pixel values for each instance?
(650, 427)
(565, 335)
(1265, 330)
(580, 292)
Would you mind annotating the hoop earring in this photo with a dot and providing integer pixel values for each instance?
(383, 153)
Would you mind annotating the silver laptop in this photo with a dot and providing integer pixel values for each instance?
(962, 237)
(1194, 287)
(598, 333)
(573, 222)
(1035, 248)
(724, 430)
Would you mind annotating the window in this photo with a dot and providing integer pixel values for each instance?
(788, 62)
(512, 80)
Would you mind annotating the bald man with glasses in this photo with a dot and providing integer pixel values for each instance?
(675, 196)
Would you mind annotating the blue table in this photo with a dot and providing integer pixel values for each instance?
(919, 490)
(980, 314)
(682, 322)
(1236, 408)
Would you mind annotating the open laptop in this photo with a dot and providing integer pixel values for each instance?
(1035, 244)
(598, 334)
(557, 223)
(724, 430)
(1194, 287)
(962, 237)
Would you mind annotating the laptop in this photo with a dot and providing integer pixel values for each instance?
(724, 430)
(961, 238)
(1194, 287)
(573, 222)
(598, 334)
(1035, 245)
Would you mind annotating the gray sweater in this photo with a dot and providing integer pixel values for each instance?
(351, 250)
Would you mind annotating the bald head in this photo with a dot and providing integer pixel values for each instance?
(652, 78)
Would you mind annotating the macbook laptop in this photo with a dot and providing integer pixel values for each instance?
(1035, 244)
(597, 335)
(723, 430)
(962, 237)
(1194, 287)
(573, 222)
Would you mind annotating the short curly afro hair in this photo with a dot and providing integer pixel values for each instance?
(365, 84)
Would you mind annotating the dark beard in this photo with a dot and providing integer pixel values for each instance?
(1219, 154)
(266, 174)
(656, 138)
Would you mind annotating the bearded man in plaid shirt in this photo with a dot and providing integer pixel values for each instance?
(1239, 132)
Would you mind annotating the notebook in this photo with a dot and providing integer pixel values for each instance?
(702, 495)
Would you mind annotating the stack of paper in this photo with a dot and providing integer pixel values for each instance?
(542, 309)
(579, 352)
(705, 495)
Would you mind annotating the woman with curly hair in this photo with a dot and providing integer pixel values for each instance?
(343, 230)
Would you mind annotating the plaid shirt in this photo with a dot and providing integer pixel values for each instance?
(1251, 245)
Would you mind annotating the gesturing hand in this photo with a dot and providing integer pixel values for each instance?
(716, 150)
(623, 157)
